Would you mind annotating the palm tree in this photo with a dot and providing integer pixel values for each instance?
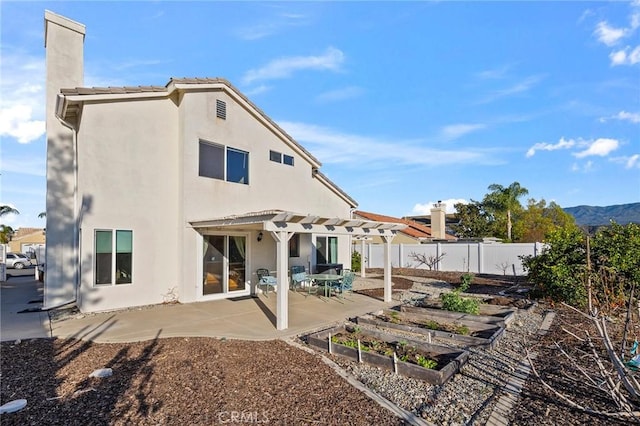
(503, 199)
(41, 215)
(4, 210)
(6, 233)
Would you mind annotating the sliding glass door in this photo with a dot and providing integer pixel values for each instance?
(224, 264)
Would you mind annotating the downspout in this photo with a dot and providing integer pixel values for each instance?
(61, 106)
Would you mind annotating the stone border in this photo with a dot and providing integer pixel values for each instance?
(382, 401)
(511, 392)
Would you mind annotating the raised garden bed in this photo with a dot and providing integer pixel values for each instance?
(505, 313)
(377, 348)
(459, 317)
(476, 334)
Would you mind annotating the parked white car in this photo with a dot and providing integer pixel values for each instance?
(17, 260)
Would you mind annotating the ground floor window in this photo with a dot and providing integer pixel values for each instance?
(113, 257)
(326, 250)
(294, 246)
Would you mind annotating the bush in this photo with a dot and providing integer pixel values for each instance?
(558, 272)
(453, 302)
(356, 261)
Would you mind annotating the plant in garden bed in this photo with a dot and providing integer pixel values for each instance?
(451, 328)
(404, 351)
(453, 302)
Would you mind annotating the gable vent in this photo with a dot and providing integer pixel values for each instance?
(221, 109)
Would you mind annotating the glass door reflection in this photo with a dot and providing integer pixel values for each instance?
(213, 270)
(237, 256)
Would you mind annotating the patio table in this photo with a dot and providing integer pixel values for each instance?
(325, 279)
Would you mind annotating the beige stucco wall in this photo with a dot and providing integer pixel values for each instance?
(128, 179)
(271, 185)
(138, 170)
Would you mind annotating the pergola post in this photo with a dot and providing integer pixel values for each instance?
(362, 259)
(282, 267)
(387, 267)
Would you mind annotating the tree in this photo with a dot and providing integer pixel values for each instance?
(504, 200)
(42, 215)
(560, 271)
(539, 219)
(6, 233)
(473, 220)
(5, 210)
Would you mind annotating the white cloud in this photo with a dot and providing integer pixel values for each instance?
(630, 162)
(625, 56)
(585, 168)
(425, 209)
(633, 161)
(632, 117)
(272, 25)
(17, 122)
(517, 88)
(257, 90)
(356, 151)
(340, 94)
(600, 147)
(23, 94)
(495, 74)
(543, 146)
(330, 60)
(609, 35)
(455, 131)
(23, 164)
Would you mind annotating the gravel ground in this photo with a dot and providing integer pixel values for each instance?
(214, 381)
(469, 397)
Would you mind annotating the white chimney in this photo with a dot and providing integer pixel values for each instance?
(64, 44)
(438, 221)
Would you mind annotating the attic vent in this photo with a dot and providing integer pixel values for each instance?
(221, 109)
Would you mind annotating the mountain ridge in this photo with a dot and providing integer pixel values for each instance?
(622, 214)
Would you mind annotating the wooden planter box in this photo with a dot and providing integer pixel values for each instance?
(438, 376)
(462, 318)
(487, 334)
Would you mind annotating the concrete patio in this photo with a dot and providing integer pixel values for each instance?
(249, 318)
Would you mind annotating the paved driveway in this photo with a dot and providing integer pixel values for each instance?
(15, 295)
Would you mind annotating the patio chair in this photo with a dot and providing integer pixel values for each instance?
(265, 279)
(298, 277)
(345, 284)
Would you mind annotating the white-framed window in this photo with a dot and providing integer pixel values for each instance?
(326, 250)
(223, 162)
(278, 157)
(113, 257)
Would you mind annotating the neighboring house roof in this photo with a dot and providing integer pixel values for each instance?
(69, 103)
(413, 229)
(22, 232)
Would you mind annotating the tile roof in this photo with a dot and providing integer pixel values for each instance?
(414, 229)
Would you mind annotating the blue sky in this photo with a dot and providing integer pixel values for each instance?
(405, 103)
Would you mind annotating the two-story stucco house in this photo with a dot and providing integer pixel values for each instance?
(177, 191)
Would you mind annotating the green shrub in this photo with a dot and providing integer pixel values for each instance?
(356, 261)
(453, 302)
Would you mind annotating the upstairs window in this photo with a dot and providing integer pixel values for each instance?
(278, 157)
(237, 166)
(275, 156)
(211, 162)
(224, 163)
(288, 160)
